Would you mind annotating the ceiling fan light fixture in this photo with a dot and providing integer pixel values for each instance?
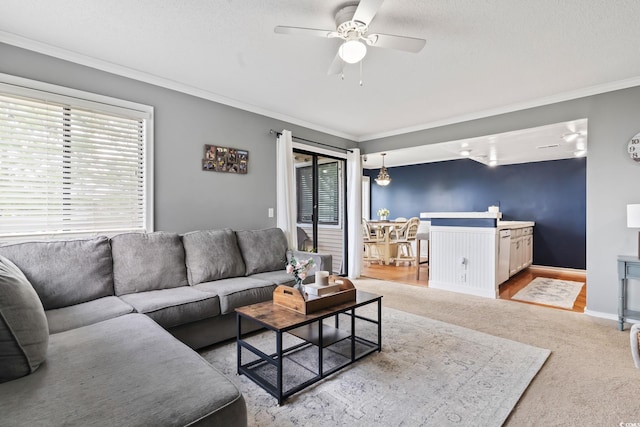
(383, 178)
(352, 51)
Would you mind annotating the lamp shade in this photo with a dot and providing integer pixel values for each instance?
(633, 216)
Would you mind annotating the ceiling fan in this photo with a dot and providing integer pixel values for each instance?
(352, 26)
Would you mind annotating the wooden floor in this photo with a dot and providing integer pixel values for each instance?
(407, 274)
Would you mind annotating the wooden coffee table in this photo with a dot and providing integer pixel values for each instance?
(317, 350)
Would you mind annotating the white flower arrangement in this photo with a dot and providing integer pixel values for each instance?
(299, 269)
(383, 212)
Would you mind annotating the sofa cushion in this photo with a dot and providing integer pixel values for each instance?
(65, 272)
(212, 255)
(279, 277)
(238, 292)
(175, 306)
(24, 334)
(86, 313)
(125, 371)
(263, 250)
(147, 261)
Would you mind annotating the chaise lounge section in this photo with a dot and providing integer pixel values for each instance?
(114, 308)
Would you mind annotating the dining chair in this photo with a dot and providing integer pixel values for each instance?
(422, 236)
(397, 231)
(371, 238)
(405, 237)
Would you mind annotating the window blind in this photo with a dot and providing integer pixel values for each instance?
(328, 194)
(69, 169)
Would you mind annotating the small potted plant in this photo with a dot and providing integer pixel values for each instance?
(383, 213)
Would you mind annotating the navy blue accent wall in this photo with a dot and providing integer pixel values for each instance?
(553, 194)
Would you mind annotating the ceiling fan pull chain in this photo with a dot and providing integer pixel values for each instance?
(360, 73)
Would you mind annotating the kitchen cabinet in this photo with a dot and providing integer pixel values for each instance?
(521, 255)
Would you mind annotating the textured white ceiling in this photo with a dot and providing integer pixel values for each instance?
(481, 57)
(555, 141)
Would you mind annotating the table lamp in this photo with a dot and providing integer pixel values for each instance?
(633, 220)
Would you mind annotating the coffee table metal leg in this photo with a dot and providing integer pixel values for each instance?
(239, 337)
(320, 347)
(353, 334)
(279, 374)
(379, 325)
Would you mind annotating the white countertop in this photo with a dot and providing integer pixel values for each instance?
(503, 225)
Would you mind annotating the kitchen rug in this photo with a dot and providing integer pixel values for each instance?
(553, 292)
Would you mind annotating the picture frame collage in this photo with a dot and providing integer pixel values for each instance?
(225, 159)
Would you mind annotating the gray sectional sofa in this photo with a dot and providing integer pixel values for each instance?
(114, 308)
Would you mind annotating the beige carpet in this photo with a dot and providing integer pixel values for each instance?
(429, 373)
(553, 292)
(589, 379)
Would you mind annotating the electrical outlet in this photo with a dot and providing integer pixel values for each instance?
(270, 212)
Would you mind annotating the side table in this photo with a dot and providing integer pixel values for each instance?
(628, 268)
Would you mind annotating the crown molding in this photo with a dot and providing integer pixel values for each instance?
(98, 64)
(554, 99)
(88, 61)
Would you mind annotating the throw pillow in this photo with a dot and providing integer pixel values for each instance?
(263, 250)
(147, 262)
(24, 332)
(212, 255)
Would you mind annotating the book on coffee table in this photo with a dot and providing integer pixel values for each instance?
(320, 290)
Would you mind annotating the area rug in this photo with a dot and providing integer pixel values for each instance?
(553, 292)
(429, 373)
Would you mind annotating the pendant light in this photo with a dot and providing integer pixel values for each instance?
(383, 178)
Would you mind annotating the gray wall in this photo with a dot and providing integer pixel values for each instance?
(189, 199)
(186, 198)
(612, 177)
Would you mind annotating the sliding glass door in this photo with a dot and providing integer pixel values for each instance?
(321, 197)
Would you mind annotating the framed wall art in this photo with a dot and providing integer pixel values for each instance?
(225, 159)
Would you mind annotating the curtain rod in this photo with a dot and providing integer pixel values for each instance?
(271, 131)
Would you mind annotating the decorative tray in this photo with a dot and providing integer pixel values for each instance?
(293, 299)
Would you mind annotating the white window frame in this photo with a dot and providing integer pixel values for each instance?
(19, 86)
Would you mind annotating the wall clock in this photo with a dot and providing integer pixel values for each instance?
(633, 148)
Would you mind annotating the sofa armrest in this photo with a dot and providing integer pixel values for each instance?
(635, 343)
(322, 261)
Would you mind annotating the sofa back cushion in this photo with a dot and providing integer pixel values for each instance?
(212, 255)
(263, 250)
(65, 272)
(24, 332)
(147, 262)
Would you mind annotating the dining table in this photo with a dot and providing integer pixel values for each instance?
(387, 248)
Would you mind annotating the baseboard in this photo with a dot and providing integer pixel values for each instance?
(608, 316)
(558, 269)
(445, 286)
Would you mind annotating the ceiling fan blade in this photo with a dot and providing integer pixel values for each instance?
(336, 66)
(366, 10)
(302, 31)
(387, 41)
